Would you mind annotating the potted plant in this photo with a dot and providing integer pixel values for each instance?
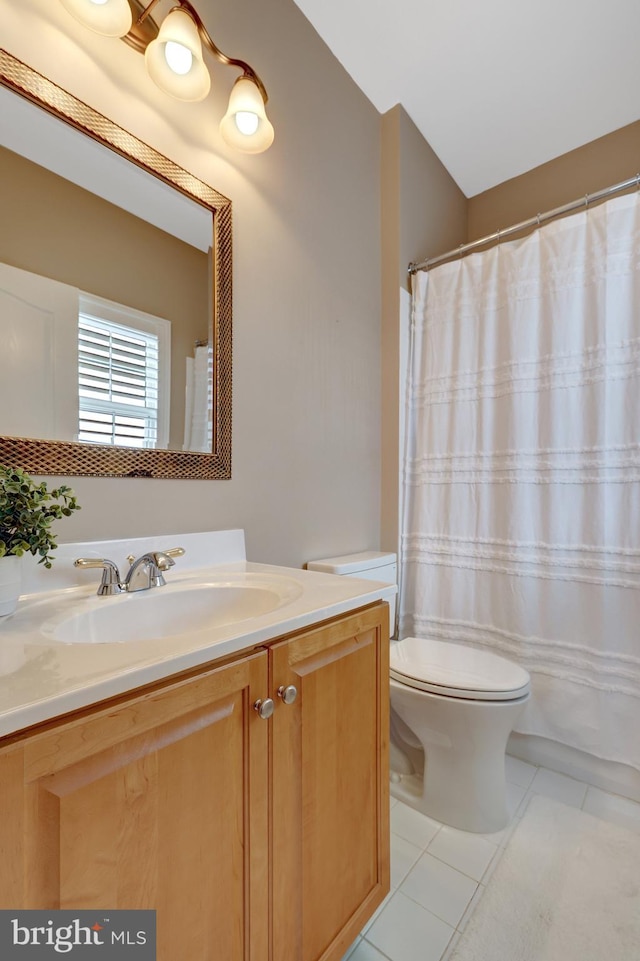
(27, 512)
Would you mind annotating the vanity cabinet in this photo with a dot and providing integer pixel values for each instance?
(330, 783)
(154, 801)
(253, 838)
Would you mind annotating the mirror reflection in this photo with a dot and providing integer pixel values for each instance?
(159, 195)
(105, 293)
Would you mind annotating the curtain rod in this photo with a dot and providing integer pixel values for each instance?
(499, 235)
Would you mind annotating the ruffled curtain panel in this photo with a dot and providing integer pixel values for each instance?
(521, 529)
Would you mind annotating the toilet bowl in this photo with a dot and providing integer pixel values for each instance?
(452, 710)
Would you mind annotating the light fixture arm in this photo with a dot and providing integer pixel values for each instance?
(247, 70)
(175, 61)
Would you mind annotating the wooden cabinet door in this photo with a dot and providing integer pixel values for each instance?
(329, 783)
(158, 801)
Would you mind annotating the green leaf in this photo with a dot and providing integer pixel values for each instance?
(27, 512)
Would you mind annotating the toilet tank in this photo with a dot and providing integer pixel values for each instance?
(371, 565)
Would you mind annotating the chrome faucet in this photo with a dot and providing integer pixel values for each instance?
(147, 570)
(144, 573)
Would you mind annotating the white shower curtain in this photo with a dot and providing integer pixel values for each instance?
(521, 528)
(199, 401)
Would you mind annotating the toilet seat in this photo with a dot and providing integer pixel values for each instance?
(456, 670)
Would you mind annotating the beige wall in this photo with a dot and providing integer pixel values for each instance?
(323, 232)
(306, 412)
(103, 250)
(423, 213)
(594, 166)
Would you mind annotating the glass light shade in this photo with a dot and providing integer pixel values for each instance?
(178, 28)
(111, 18)
(246, 112)
(179, 58)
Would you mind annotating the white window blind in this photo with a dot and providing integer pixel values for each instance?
(119, 382)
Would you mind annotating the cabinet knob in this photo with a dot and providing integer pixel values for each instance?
(288, 694)
(264, 709)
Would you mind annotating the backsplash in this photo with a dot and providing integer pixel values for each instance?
(201, 549)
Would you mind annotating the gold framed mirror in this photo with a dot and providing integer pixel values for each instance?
(72, 457)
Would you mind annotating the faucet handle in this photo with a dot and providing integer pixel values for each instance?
(110, 583)
(159, 557)
(173, 552)
(164, 559)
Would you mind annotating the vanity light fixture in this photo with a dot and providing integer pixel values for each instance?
(174, 59)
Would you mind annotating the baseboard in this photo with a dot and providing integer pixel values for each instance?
(607, 775)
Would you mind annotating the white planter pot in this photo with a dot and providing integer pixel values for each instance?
(10, 583)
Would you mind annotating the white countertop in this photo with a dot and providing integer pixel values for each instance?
(42, 678)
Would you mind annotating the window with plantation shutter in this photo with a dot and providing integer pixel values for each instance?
(123, 370)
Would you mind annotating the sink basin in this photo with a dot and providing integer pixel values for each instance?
(169, 611)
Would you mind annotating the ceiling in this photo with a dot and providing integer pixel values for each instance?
(496, 87)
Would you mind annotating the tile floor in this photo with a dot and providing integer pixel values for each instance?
(438, 874)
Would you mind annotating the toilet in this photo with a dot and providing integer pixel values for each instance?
(453, 708)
